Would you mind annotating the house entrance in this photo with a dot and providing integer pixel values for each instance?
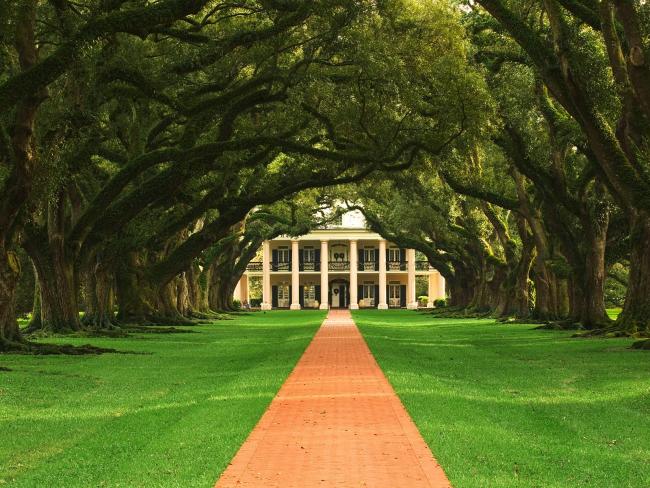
(339, 294)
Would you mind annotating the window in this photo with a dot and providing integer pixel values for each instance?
(283, 255)
(308, 259)
(369, 254)
(309, 255)
(368, 291)
(394, 294)
(310, 292)
(283, 292)
(393, 254)
(283, 295)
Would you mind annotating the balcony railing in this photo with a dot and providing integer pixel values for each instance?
(339, 266)
(310, 266)
(255, 266)
(396, 265)
(368, 266)
(422, 265)
(279, 266)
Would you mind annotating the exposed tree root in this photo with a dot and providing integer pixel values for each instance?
(613, 331)
(28, 347)
(155, 330)
(559, 325)
(642, 345)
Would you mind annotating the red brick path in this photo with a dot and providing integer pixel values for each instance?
(336, 422)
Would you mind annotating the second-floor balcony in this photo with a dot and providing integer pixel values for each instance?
(257, 266)
(339, 266)
(396, 265)
(310, 266)
(280, 266)
(368, 266)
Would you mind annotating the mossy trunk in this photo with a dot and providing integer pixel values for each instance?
(143, 302)
(58, 285)
(635, 317)
(9, 275)
(98, 297)
(593, 313)
(222, 288)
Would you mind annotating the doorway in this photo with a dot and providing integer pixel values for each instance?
(339, 294)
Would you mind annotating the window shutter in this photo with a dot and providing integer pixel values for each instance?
(402, 259)
(376, 254)
(290, 295)
(402, 296)
(301, 296)
(376, 295)
(274, 260)
(388, 294)
(317, 291)
(360, 292)
(274, 296)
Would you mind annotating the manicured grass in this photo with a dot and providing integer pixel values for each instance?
(172, 415)
(508, 406)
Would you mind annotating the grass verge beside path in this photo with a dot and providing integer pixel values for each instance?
(508, 406)
(172, 415)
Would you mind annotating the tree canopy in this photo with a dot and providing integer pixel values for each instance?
(147, 149)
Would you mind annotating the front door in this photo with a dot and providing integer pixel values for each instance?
(336, 295)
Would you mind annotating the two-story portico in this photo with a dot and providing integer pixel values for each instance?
(342, 266)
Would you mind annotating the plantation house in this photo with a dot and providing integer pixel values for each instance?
(341, 266)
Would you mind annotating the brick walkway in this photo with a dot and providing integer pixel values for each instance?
(336, 421)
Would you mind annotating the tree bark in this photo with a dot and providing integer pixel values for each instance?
(98, 296)
(593, 312)
(9, 275)
(635, 317)
(58, 284)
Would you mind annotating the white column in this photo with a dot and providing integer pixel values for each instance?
(266, 276)
(411, 302)
(324, 276)
(383, 305)
(295, 276)
(237, 293)
(433, 287)
(354, 266)
(245, 298)
(442, 292)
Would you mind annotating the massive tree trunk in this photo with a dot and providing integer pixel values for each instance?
(461, 288)
(593, 312)
(57, 280)
(16, 187)
(222, 287)
(635, 317)
(9, 274)
(98, 296)
(520, 305)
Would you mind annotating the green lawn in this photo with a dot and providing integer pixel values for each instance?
(508, 406)
(171, 416)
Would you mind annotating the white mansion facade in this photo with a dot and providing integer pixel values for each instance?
(341, 266)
